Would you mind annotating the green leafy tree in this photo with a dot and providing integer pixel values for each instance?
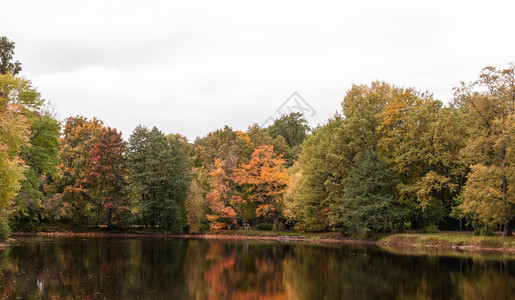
(40, 154)
(422, 140)
(159, 173)
(307, 196)
(42, 158)
(25, 105)
(260, 137)
(369, 202)
(177, 183)
(6, 57)
(294, 129)
(414, 133)
(232, 147)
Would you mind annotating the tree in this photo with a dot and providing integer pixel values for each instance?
(159, 174)
(195, 207)
(42, 158)
(177, 182)
(293, 199)
(489, 106)
(79, 138)
(232, 147)
(14, 136)
(107, 178)
(40, 154)
(369, 201)
(419, 138)
(145, 169)
(307, 198)
(6, 56)
(219, 154)
(264, 178)
(222, 198)
(260, 137)
(294, 129)
(422, 140)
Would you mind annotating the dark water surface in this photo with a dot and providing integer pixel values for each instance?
(157, 268)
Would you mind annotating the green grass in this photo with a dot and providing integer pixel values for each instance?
(449, 240)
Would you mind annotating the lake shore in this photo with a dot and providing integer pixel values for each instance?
(6, 243)
(463, 241)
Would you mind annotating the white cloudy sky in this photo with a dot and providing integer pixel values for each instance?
(193, 66)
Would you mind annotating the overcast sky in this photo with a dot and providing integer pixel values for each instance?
(191, 67)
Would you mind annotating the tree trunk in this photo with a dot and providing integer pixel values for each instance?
(109, 217)
(508, 228)
(415, 221)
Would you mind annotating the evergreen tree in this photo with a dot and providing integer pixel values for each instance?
(369, 201)
(160, 175)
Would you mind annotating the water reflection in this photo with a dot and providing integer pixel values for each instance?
(147, 268)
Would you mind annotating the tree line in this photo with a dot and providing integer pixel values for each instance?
(392, 157)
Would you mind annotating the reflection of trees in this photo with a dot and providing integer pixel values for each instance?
(239, 270)
(353, 273)
(90, 269)
(488, 282)
(176, 269)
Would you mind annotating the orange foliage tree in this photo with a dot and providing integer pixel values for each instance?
(264, 180)
(222, 199)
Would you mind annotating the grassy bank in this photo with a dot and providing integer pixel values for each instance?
(463, 241)
(443, 240)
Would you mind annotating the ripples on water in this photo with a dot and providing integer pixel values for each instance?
(152, 268)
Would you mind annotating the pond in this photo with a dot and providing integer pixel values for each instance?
(166, 268)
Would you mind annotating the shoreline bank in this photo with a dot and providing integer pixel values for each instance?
(445, 241)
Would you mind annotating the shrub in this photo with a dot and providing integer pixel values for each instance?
(431, 228)
(204, 227)
(483, 230)
(5, 231)
(278, 226)
(264, 226)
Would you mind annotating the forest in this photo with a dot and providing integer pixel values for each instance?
(392, 158)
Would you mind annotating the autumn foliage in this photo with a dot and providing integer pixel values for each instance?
(107, 178)
(264, 179)
(222, 199)
(391, 156)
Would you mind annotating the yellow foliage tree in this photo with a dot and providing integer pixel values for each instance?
(489, 107)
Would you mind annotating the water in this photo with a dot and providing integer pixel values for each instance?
(157, 268)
